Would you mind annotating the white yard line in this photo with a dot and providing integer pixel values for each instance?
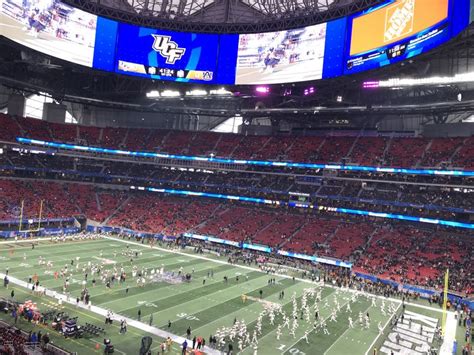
(385, 326)
(47, 239)
(312, 328)
(340, 337)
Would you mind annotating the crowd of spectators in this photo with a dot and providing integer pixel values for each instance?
(55, 200)
(407, 254)
(12, 341)
(169, 216)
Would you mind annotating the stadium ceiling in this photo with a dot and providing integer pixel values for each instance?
(223, 16)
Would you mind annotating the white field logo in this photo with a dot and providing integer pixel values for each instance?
(399, 20)
(167, 48)
(412, 336)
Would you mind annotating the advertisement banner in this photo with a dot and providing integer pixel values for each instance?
(397, 30)
(395, 21)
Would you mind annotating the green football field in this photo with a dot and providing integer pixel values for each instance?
(206, 307)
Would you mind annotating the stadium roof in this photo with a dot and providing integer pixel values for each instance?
(190, 7)
(223, 15)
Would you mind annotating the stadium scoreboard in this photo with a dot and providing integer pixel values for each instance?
(300, 199)
(392, 31)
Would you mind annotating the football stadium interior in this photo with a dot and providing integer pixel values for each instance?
(237, 177)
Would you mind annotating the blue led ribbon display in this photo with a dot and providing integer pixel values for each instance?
(323, 208)
(370, 169)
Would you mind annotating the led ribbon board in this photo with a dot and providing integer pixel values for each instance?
(267, 249)
(322, 208)
(370, 169)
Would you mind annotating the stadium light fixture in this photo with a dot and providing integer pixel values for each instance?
(434, 80)
(262, 90)
(170, 93)
(309, 91)
(152, 94)
(221, 91)
(370, 84)
(196, 93)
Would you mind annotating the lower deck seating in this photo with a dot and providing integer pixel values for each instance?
(405, 254)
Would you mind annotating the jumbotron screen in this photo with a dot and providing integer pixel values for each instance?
(392, 31)
(395, 22)
(162, 54)
(50, 27)
(395, 31)
(280, 57)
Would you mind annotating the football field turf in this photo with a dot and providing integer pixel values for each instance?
(205, 307)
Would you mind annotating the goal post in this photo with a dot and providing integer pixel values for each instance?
(20, 224)
(445, 302)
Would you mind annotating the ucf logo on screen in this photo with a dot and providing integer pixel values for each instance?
(167, 48)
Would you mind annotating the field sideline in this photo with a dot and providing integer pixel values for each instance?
(203, 307)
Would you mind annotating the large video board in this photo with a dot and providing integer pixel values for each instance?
(392, 31)
(50, 27)
(281, 57)
(397, 30)
(167, 55)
